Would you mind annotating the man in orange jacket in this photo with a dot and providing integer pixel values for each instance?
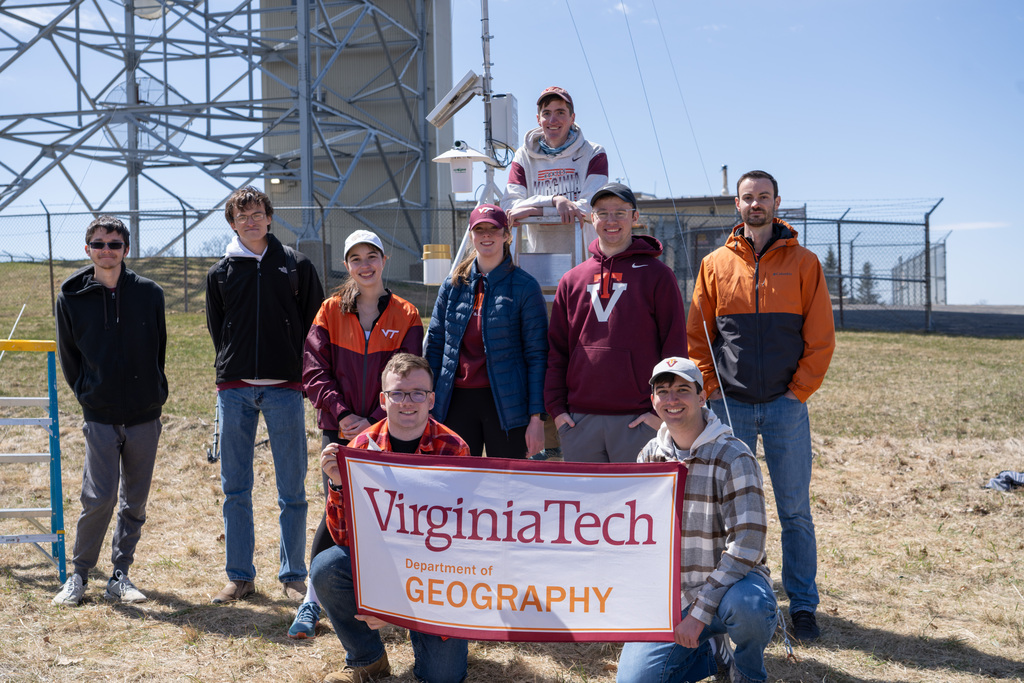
(765, 305)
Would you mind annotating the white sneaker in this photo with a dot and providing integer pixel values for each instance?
(71, 593)
(120, 587)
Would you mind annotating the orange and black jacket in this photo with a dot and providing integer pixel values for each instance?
(341, 366)
(769, 318)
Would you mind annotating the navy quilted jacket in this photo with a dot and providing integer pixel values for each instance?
(515, 327)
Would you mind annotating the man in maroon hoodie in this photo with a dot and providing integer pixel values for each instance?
(615, 315)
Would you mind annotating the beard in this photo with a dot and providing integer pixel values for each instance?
(765, 217)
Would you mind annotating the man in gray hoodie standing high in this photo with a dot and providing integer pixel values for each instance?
(726, 585)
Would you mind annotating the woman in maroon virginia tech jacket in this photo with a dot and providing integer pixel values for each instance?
(354, 335)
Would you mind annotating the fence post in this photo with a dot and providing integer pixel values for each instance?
(928, 268)
(853, 261)
(184, 247)
(49, 253)
(842, 285)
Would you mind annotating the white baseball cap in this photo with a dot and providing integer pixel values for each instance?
(682, 367)
(362, 237)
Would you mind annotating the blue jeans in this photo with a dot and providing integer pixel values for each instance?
(747, 613)
(438, 660)
(786, 434)
(284, 413)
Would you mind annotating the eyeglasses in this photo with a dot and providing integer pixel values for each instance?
(617, 215)
(416, 395)
(254, 217)
(113, 246)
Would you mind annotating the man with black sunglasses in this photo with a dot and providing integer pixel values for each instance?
(112, 340)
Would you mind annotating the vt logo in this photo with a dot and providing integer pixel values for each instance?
(601, 283)
(389, 333)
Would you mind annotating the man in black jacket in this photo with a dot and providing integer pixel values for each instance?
(112, 340)
(261, 299)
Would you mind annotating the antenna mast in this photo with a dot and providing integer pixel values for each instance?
(490, 193)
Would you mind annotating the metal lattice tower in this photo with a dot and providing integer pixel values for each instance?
(323, 99)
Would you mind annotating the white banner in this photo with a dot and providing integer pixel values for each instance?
(493, 549)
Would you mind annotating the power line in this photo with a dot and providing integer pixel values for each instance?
(611, 131)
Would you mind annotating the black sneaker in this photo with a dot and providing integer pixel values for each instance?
(805, 626)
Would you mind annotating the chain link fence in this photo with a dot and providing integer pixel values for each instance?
(874, 256)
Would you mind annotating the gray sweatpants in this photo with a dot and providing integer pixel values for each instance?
(117, 458)
(604, 438)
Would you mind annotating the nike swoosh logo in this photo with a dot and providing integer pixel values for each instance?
(577, 158)
(641, 265)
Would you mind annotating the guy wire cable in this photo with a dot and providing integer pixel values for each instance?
(682, 238)
(611, 130)
(668, 180)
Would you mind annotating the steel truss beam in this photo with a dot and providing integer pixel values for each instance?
(222, 93)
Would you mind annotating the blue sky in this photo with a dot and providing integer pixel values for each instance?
(844, 102)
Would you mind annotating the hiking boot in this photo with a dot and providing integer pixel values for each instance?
(305, 622)
(554, 454)
(71, 592)
(120, 587)
(379, 669)
(805, 626)
(295, 591)
(234, 590)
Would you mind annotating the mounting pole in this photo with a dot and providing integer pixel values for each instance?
(131, 59)
(305, 96)
(490, 190)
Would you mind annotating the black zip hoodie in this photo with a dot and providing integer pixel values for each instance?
(257, 321)
(112, 346)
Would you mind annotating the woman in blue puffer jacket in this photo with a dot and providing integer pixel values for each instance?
(487, 345)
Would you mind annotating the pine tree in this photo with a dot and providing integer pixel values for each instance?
(866, 293)
(831, 268)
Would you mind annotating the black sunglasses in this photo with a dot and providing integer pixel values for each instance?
(113, 246)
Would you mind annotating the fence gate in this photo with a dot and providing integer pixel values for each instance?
(48, 403)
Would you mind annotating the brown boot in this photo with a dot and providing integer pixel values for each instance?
(234, 590)
(372, 672)
(295, 591)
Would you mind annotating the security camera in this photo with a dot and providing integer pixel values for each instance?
(457, 98)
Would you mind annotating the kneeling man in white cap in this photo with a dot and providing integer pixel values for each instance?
(727, 589)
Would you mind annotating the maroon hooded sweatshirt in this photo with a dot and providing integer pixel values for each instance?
(614, 318)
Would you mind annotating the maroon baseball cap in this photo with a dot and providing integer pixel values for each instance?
(488, 213)
(558, 92)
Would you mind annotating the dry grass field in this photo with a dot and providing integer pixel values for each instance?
(921, 571)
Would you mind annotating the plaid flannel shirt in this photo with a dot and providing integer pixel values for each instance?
(724, 522)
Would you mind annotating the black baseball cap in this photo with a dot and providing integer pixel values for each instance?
(616, 190)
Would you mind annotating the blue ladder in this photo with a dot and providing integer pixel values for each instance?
(51, 425)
